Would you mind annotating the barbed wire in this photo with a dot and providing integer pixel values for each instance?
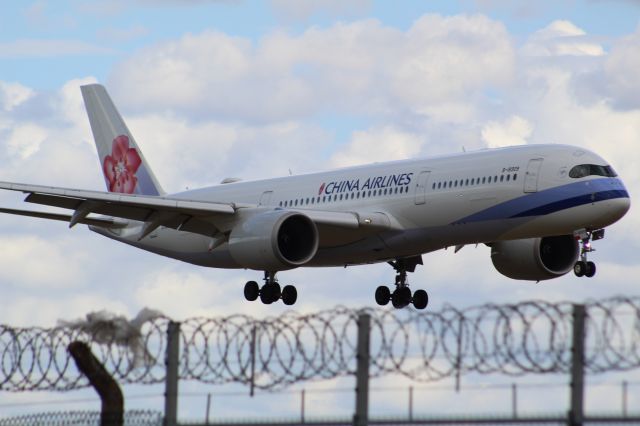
(513, 339)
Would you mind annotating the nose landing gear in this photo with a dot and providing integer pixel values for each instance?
(271, 291)
(401, 296)
(584, 267)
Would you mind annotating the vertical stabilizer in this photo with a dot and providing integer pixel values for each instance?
(123, 165)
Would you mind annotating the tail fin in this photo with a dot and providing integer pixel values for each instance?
(123, 165)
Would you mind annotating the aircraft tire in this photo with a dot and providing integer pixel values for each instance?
(580, 268)
(420, 299)
(289, 295)
(590, 270)
(401, 297)
(251, 291)
(383, 295)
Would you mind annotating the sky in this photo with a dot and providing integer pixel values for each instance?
(255, 89)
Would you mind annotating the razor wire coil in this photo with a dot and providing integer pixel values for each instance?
(531, 337)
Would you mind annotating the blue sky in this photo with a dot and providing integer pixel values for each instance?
(254, 89)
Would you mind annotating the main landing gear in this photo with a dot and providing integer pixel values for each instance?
(583, 267)
(270, 291)
(401, 296)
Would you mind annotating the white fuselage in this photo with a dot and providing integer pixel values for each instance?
(475, 197)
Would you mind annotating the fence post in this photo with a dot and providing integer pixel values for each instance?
(252, 385)
(410, 403)
(624, 398)
(112, 410)
(576, 413)
(361, 417)
(208, 408)
(171, 384)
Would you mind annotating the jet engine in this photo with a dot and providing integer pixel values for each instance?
(274, 241)
(535, 259)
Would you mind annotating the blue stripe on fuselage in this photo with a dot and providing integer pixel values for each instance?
(552, 200)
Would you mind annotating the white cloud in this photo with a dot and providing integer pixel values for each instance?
(48, 48)
(24, 140)
(13, 94)
(357, 68)
(513, 131)
(620, 77)
(38, 263)
(562, 38)
(295, 10)
(377, 145)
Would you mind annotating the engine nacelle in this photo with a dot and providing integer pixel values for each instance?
(274, 241)
(535, 259)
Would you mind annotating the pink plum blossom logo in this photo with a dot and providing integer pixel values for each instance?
(121, 166)
(321, 189)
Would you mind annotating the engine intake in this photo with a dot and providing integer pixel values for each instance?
(535, 259)
(274, 241)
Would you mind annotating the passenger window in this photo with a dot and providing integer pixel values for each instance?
(515, 176)
(501, 178)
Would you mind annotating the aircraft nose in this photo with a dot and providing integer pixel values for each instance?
(618, 207)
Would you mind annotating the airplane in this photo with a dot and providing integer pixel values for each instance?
(538, 207)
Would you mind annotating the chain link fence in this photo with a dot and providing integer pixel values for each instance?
(82, 418)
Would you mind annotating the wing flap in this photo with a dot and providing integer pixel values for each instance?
(93, 221)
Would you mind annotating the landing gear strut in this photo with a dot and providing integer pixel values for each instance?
(270, 291)
(584, 267)
(401, 296)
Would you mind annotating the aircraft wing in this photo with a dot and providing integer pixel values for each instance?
(155, 211)
(186, 215)
(94, 221)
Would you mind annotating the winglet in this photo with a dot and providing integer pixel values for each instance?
(123, 165)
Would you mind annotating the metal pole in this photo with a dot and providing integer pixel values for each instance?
(459, 356)
(361, 417)
(302, 406)
(171, 384)
(514, 400)
(576, 413)
(208, 407)
(410, 403)
(624, 398)
(253, 361)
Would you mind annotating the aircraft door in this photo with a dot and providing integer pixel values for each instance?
(421, 187)
(532, 175)
(265, 199)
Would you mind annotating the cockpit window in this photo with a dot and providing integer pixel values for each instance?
(584, 170)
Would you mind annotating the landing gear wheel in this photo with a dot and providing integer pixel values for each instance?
(420, 299)
(591, 270)
(580, 268)
(251, 291)
(383, 295)
(401, 297)
(289, 295)
(270, 293)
